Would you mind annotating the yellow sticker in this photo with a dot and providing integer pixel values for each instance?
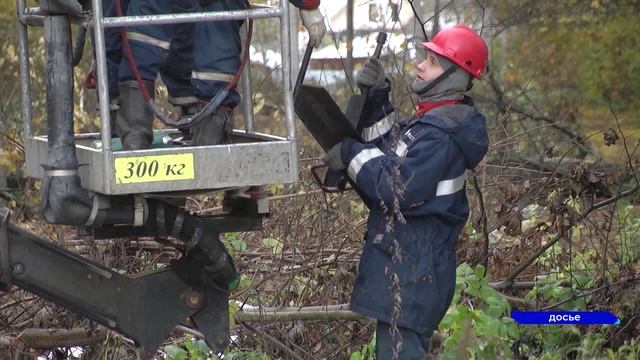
(141, 169)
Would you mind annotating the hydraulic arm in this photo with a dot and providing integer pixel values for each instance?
(144, 307)
(195, 287)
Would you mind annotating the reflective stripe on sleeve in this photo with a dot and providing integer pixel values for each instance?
(359, 160)
(451, 186)
(182, 100)
(211, 76)
(378, 129)
(148, 40)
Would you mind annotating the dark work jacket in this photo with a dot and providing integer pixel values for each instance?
(413, 174)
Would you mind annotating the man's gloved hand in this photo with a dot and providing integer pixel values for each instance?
(313, 21)
(333, 158)
(371, 75)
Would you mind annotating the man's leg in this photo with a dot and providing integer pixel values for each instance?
(149, 46)
(216, 59)
(413, 346)
(135, 120)
(176, 71)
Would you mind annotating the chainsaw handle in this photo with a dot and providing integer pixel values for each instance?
(303, 68)
(380, 40)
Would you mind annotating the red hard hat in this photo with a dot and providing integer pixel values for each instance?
(463, 46)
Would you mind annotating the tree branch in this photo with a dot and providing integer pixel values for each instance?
(329, 312)
(587, 293)
(275, 341)
(507, 107)
(523, 265)
(483, 219)
(518, 302)
(45, 339)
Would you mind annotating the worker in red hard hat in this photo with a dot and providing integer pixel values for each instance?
(458, 54)
(412, 173)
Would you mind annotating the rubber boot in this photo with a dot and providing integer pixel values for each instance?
(135, 120)
(212, 130)
(187, 110)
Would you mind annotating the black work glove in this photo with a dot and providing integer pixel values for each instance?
(371, 75)
(333, 158)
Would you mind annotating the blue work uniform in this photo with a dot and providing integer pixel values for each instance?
(176, 77)
(194, 60)
(412, 173)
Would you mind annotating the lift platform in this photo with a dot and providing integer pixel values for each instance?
(251, 159)
(107, 192)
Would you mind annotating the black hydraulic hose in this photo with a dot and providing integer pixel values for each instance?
(201, 243)
(62, 154)
(64, 200)
(78, 47)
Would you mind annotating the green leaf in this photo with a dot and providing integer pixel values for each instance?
(176, 352)
(239, 245)
(480, 272)
(272, 243)
(233, 310)
(202, 346)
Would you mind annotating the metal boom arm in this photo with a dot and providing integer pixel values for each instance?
(144, 308)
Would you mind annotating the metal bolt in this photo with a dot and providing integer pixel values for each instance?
(18, 269)
(193, 299)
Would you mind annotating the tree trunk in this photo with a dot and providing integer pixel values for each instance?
(436, 18)
(349, 63)
(3, 185)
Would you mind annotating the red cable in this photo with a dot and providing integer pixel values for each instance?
(129, 55)
(245, 54)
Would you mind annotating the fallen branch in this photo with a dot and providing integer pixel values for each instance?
(329, 312)
(45, 339)
(519, 303)
(521, 284)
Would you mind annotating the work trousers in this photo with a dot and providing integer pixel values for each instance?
(194, 60)
(414, 346)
